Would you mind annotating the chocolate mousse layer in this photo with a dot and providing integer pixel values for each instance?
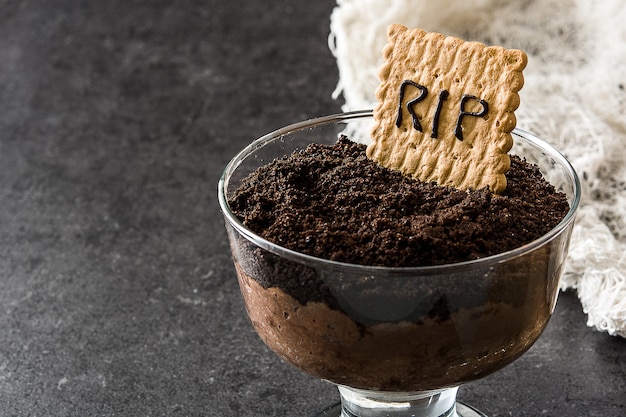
(393, 331)
(402, 356)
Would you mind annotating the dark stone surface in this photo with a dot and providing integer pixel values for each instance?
(117, 293)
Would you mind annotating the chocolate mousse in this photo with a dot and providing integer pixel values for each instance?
(332, 202)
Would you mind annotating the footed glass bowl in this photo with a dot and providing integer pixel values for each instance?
(397, 341)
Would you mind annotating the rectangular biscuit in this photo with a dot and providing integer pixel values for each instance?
(446, 108)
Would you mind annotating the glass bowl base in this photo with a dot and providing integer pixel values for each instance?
(462, 410)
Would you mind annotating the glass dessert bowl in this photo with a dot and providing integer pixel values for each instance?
(397, 341)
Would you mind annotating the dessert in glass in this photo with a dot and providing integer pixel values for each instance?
(395, 340)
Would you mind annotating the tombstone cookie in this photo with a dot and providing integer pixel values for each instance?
(446, 109)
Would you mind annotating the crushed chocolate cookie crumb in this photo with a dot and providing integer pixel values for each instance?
(332, 202)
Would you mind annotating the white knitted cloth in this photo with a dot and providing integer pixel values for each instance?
(574, 97)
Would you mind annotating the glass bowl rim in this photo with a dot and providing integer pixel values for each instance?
(411, 270)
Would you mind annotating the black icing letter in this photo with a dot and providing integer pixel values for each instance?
(409, 105)
(458, 132)
(443, 95)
